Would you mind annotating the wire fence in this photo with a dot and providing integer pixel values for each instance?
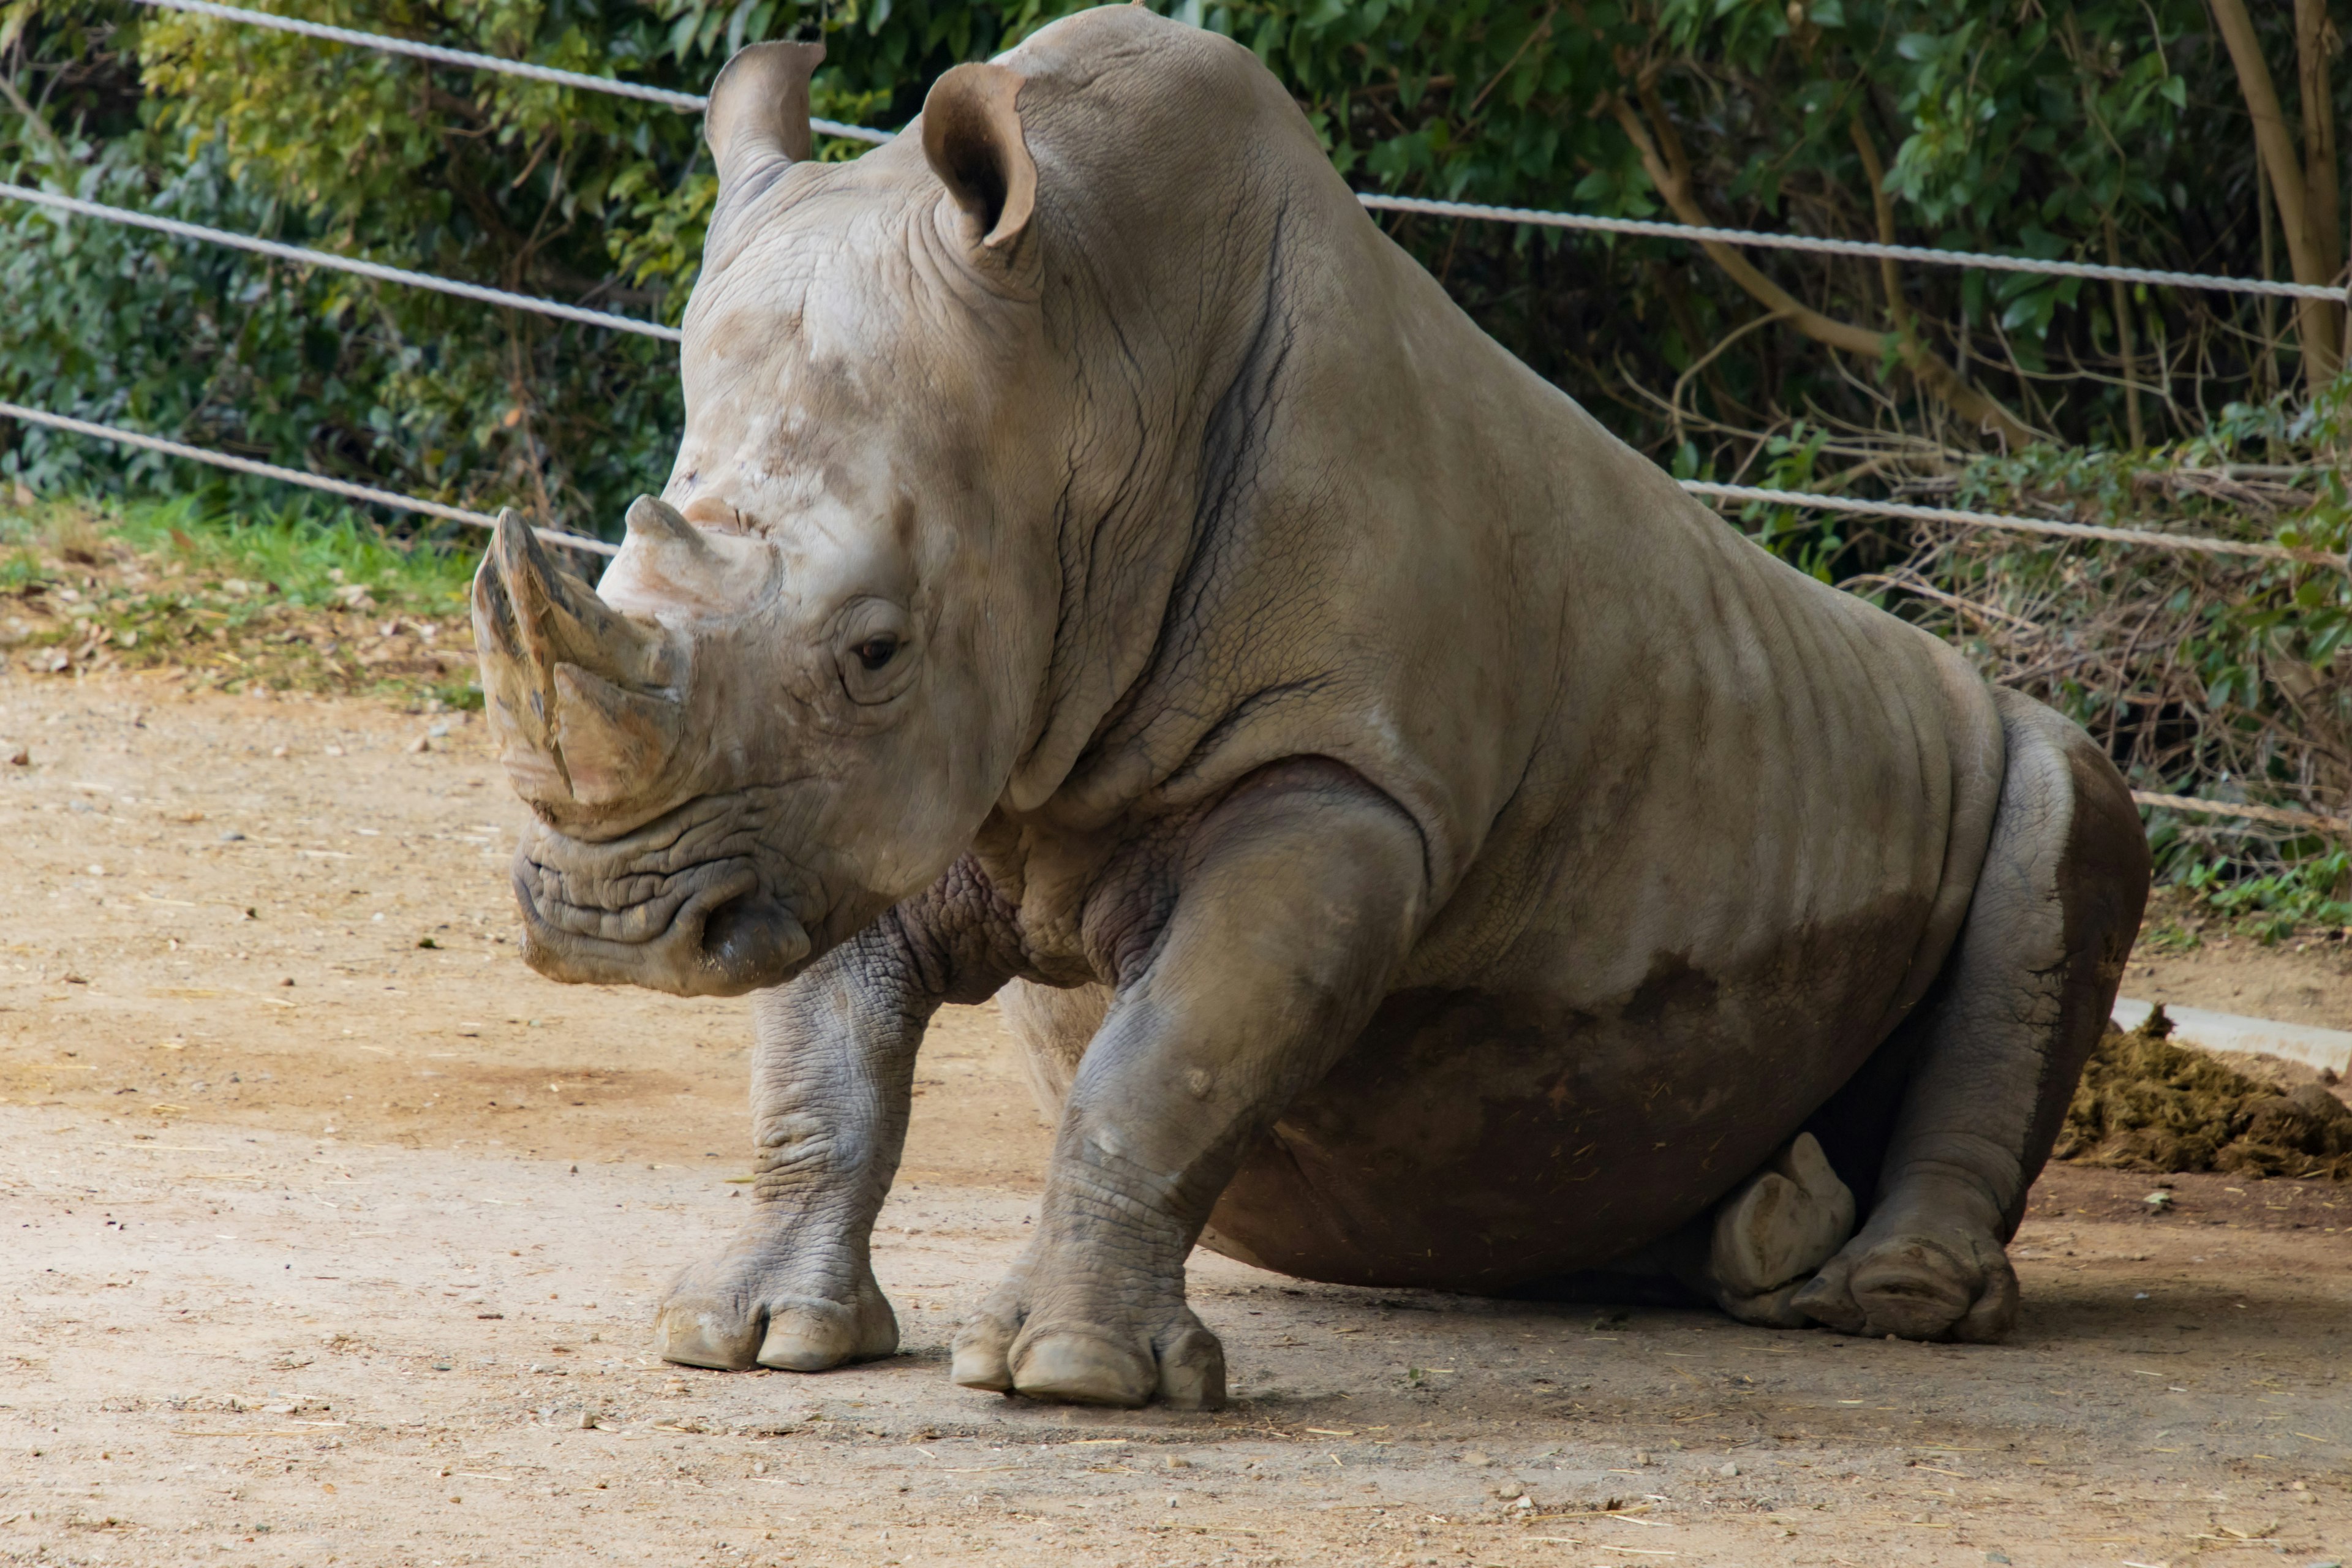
(1476, 211)
(2140, 538)
(1753, 239)
(375, 270)
(434, 54)
(349, 491)
(1470, 211)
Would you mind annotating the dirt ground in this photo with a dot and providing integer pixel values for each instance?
(337, 1235)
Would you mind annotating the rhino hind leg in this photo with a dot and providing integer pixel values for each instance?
(1995, 1046)
(1773, 1231)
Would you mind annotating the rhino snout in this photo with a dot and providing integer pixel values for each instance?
(596, 914)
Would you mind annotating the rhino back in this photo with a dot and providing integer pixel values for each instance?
(1341, 521)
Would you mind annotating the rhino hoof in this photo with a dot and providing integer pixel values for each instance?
(1080, 1368)
(1786, 1222)
(703, 1337)
(1915, 1288)
(1775, 1309)
(981, 1366)
(1193, 1372)
(815, 1336)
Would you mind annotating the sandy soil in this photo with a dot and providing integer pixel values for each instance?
(334, 1246)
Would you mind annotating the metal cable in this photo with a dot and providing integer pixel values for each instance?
(695, 103)
(1852, 247)
(374, 270)
(692, 103)
(294, 476)
(2145, 538)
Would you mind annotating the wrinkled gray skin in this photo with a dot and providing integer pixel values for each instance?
(1415, 843)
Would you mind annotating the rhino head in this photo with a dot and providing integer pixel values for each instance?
(799, 688)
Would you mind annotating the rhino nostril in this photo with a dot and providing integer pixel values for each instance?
(752, 935)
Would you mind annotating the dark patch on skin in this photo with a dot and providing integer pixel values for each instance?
(1481, 1141)
(1234, 449)
(1672, 985)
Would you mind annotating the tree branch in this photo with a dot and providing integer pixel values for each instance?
(1669, 170)
(2317, 321)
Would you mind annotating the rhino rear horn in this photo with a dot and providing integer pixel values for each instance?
(663, 524)
(759, 113)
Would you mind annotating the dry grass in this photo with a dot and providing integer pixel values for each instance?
(276, 605)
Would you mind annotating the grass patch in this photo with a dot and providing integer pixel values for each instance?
(300, 599)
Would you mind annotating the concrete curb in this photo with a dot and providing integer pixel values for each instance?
(2311, 1047)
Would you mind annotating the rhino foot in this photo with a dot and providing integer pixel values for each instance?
(1915, 1282)
(737, 1312)
(1788, 1220)
(1119, 1354)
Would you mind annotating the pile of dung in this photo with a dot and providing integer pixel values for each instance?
(2146, 1104)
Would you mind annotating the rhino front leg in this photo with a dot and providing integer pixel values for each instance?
(832, 1080)
(1296, 899)
(1999, 1042)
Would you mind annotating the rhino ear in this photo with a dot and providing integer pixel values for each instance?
(972, 135)
(759, 112)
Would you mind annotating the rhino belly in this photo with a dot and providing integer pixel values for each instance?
(1476, 1140)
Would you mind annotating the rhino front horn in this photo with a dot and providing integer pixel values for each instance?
(586, 703)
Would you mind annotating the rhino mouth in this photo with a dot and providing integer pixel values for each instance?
(690, 903)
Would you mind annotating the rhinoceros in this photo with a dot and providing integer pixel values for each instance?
(1415, 842)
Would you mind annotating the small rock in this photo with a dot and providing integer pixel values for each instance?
(334, 751)
(20, 757)
(1996, 1556)
(1477, 1460)
(1172, 1499)
(1645, 1458)
(422, 743)
(2158, 1201)
(1509, 1490)
(588, 1424)
(231, 837)
(1728, 1470)
(1176, 1462)
(279, 752)
(438, 732)
(79, 807)
(1528, 1503)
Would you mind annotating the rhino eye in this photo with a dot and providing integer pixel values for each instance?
(875, 652)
